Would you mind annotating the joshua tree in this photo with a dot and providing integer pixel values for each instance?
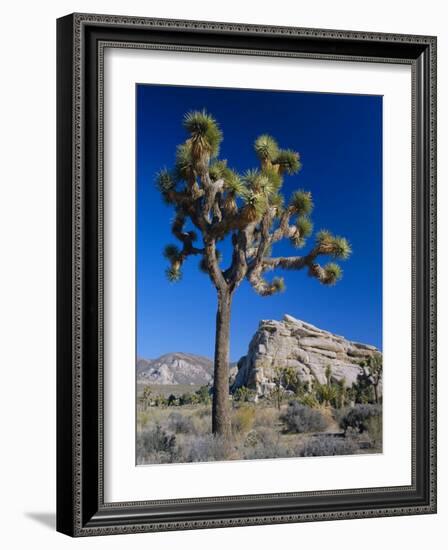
(328, 373)
(212, 200)
(278, 391)
(375, 365)
(146, 397)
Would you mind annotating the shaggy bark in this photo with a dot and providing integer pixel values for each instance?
(221, 408)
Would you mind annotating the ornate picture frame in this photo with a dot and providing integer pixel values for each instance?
(81, 506)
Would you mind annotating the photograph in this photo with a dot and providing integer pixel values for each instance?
(259, 258)
(246, 273)
(221, 254)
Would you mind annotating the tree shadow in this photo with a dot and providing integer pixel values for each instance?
(48, 519)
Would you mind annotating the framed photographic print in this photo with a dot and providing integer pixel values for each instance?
(246, 274)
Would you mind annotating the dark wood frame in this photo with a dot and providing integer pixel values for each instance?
(81, 510)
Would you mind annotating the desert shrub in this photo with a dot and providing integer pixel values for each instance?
(266, 451)
(362, 391)
(243, 419)
(203, 394)
(172, 400)
(203, 448)
(309, 400)
(357, 417)
(262, 435)
(287, 378)
(142, 419)
(264, 443)
(277, 396)
(188, 399)
(243, 395)
(328, 446)
(326, 394)
(145, 399)
(291, 380)
(341, 394)
(155, 445)
(302, 419)
(375, 429)
(180, 423)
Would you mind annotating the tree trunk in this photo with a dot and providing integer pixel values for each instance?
(221, 407)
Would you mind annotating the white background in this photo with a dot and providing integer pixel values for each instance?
(125, 482)
(27, 218)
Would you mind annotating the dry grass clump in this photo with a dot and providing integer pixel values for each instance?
(267, 417)
(243, 419)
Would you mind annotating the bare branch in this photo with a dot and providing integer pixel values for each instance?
(187, 238)
(215, 272)
(284, 229)
(261, 286)
(210, 204)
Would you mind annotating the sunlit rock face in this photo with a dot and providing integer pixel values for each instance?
(307, 349)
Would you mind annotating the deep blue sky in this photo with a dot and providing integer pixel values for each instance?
(339, 138)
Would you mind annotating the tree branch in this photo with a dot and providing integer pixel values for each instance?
(187, 238)
(284, 228)
(214, 270)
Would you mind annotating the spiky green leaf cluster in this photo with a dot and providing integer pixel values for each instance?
(165, 181)
(297, 240)
(337, 247)
(268, 151)
(302, 202)
(262, 189)
(304, 229)
(173, 274)
(267, 186)
(333, 273)
(279, 284)
(323, 235)
(251, 178)
(278, 201)
(203, 128)
(171, 252)
(184, 169)
(217, 169)
(305, 226)
(233, 183)
(266, 147)
(257, 201)
(342, 248)
(274, 177)
(289, 161)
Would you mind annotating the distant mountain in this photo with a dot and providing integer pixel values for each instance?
(176, 368)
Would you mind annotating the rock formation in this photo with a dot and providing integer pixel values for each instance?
(304, 347)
